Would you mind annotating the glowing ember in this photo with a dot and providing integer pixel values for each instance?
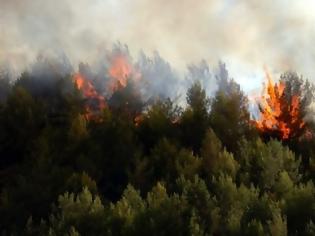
(94, 101)
(280, 114)
(138, 119)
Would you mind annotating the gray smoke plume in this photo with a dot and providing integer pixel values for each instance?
(276, 33)
(246, 34)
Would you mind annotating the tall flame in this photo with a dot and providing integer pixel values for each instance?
(94, 101)
(120, 71)
(278, 113)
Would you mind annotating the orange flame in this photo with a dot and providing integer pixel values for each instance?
(120, 71)
(277, 114)
(95, 102)
(138, 119)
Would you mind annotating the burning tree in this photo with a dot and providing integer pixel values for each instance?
(284, 108)
(119, 88)
(94, 101)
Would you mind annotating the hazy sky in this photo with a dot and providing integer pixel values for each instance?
(246, 34)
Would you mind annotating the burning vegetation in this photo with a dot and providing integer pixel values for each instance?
(283, 108)
(120, 75)
(200, 166)
(94, 102)
(120, 71)
(282, 105)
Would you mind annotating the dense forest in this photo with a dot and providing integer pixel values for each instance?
(73, 162)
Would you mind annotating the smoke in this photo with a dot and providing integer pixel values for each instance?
(159, 80)
(245, 34)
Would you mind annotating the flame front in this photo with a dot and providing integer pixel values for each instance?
(120, 71)
(279, 114)
(94, 101)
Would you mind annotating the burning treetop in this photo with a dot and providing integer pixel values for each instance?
(282, 107)
(94, 101)
(118, 77)
(47, 147)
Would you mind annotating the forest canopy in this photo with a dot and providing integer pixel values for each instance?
(84, 156)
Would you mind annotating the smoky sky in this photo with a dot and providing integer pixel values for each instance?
(246, 34)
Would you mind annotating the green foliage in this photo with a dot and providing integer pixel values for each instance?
(200, 203)
(262, 163)
(299, 207)
(254, 227)
(165, 214)
(215, 159)
(187, 164)
(194, 120)
(127, 209)
(83, 212)
(20, 110)
(76, 182)
(229, 116)
(158, 122)
(154, 170)
(197, 99)
(278, 225)
(78, 129)
(166, 163)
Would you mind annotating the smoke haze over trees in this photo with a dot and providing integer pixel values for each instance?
(201, 122)
(142, 164)
(246, 35)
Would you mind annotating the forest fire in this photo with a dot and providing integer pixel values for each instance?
(280, 112)
(118, 74)
(94, 101)
(120, 71)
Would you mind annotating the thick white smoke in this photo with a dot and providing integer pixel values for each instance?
(246, 34)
